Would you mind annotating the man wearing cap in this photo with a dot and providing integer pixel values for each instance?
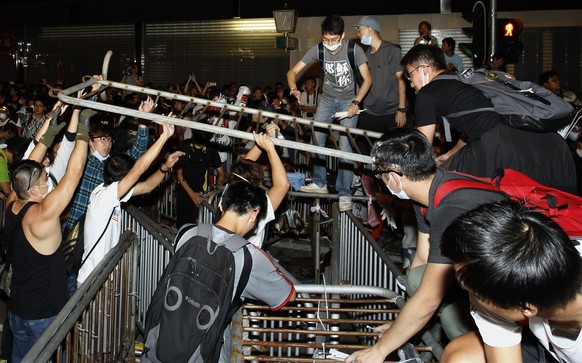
(385, 103)
(385, 106)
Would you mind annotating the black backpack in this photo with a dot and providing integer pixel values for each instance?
(351, 60)
(194, 302)
(522, 104)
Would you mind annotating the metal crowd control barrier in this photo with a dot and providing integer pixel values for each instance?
(65, 96)
(99, 322)
(322, 320)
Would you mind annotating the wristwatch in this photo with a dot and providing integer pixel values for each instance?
(356, 102)
(402, 109)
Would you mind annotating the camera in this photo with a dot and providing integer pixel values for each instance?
(128, 69)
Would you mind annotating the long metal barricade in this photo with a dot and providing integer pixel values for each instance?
(232, 110)
(323, 324)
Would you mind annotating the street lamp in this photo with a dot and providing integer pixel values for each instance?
(285, 21)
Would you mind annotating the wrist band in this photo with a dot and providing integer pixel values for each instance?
(162, 171)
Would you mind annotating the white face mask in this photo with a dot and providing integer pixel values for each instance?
(99, 157)
(3, 116)
(332, 48)
(579, 152)
(366, 40)
(573, 135)
(402, 194)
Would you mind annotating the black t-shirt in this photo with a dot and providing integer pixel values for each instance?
(196, 164)
(435, 220)
(446, 96)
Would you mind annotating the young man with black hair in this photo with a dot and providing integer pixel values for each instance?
(340, 93)
(487, 143)
(524, 276)
(405, 162)
(121, 174)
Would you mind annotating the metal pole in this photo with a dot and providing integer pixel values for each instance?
(65, 97)
(493, 29)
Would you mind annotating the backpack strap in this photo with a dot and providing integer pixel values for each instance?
(320, 55)
(98, 239)
(450, 185)
(351, 55)
(190, 230)
(245, 273)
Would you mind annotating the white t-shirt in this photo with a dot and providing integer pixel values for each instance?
(102, 201)
(498, 331)
(257, 235)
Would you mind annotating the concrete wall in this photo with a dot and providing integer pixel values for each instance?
(309, 33)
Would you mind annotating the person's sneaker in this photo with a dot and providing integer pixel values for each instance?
(345, 204)
(313, 188)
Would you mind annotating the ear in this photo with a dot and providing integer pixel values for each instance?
(396, 180)
(529, 310)
(254, 214)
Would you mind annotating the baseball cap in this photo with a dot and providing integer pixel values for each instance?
(370, 21)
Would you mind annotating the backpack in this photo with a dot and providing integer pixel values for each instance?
(194, 301)
(351, 60)
(524, 105)
(564, 208)
(73, 244)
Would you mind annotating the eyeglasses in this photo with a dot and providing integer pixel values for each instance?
(379, 172)
(409, 75)
(331, 41)
(104, 139)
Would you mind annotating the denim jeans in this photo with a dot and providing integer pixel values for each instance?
(326, 108)
(26, 333)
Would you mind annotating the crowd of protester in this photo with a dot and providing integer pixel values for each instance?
(118, 150)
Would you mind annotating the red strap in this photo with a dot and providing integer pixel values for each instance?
(445, 188)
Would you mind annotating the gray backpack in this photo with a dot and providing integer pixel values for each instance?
(524, 105)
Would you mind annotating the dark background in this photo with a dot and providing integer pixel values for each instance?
(51, 12)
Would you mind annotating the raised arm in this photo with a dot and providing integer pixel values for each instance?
(143, 163)
(158, 176)
(278, 173)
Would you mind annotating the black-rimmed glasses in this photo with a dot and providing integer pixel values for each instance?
(379, 172)
(103, 139)
(409, 74)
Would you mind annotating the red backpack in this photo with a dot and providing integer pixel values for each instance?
(564, 208)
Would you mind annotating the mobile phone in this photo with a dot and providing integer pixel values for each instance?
(212, 84)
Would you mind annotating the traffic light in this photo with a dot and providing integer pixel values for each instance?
(477, 50)
(508, 44)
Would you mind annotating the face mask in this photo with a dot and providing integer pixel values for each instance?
(99, 157)
(367, 40)
(579, 152)
(332, 48)
(2, 116)
(573, 136)
(402, 194)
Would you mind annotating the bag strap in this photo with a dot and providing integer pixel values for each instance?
(244, 277)
(99, 239)
(450, 185)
